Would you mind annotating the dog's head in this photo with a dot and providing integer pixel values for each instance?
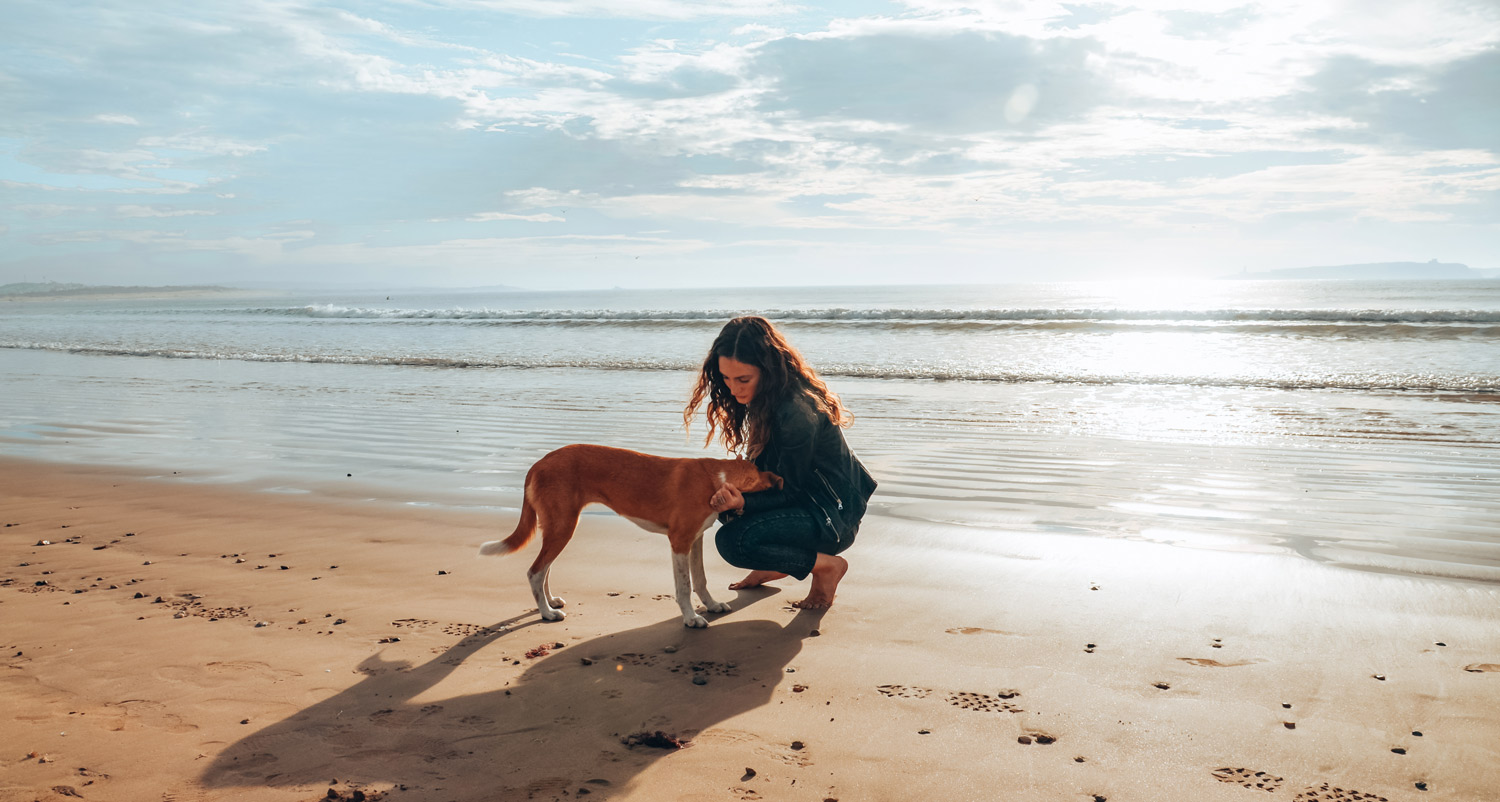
(749, 480)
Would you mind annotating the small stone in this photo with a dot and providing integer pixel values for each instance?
(1417, 733)
(798, 746)
(1380, 677)
(585, 661)
(1291, 725)
(1421, 786)
(815, 633)
(670, 649)
(924, 732)
(1024, 739)
(339, 621)
(1398, 750)
(245, 721)
(699, 679)
(442, 573)
(1440, 643)
(1045, 739)
(259, 624)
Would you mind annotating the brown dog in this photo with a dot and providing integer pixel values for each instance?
(658, 494)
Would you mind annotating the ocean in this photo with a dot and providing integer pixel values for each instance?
(1353, 423)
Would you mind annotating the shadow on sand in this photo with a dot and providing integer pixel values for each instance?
(555, 730)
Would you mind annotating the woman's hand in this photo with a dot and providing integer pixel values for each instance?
(726, 498)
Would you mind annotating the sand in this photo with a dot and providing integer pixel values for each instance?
(171, 641)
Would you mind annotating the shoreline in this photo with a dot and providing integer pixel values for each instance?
(419, 671)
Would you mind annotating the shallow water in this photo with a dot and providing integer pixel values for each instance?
(1256, 434)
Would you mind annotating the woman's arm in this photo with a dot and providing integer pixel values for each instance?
(794, 437)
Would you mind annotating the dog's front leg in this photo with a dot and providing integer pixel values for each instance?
(690, 617)
(700, 579)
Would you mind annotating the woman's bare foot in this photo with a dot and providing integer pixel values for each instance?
(756, 579)
(826, 573)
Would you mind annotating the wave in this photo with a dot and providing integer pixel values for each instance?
(1418, 383)
(894, 315)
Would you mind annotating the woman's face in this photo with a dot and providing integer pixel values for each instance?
(741, 379)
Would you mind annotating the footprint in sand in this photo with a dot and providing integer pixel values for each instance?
(1266, 781)
(1207, 663)
(904, 692)
(965, 700)
(1329, 793)
(139, 714)
(1482, 668)
(1262, 780)
(975, 631)
(188, 794)
(983, 702)
(723, 736)
(793, 754)
(637, 659)
(251, 667)
(468, 630)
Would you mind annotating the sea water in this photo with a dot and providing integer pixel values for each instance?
(1351, 422)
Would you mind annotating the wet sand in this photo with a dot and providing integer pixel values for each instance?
(164, 640)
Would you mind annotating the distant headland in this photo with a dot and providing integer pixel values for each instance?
(1375, 271)
(53, 289)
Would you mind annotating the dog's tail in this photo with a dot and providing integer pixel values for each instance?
(525, 529)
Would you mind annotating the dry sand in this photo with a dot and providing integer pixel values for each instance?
(180, 642)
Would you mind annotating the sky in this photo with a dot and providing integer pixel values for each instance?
(720, 143)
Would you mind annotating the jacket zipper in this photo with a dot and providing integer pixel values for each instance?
(829, 487)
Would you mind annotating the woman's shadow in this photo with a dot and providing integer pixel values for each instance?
(561, 729)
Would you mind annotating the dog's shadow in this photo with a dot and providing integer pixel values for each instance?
(559, 729)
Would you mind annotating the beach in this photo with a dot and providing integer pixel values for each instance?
(172, 641)
(1119, 551)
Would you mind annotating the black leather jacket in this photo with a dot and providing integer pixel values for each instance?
(819, 471)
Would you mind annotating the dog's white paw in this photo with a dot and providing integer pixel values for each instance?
(556, 601)
(694, 621)
(553, 615)
(717, 607)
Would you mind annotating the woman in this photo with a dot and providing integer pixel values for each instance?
(766, 404)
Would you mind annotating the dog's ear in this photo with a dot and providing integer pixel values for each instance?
(772, 479)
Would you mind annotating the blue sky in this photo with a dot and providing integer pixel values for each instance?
(647, 143)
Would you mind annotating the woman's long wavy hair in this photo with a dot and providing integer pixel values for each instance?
(744, 429)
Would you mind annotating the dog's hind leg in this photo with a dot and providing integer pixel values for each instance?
(553, 540)
(700, 579)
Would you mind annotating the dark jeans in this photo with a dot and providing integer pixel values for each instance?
(786, 540)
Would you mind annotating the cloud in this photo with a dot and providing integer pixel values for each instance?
(631, 9)
(389, 131)
(154, 211)
(486, 217)
(1448, 106)
(942, 83)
